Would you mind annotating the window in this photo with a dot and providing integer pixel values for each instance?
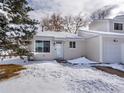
(42, 46)
(118, 26)
(72, 44)
(1, 1)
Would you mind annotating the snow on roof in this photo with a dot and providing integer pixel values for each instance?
(103, 33)
(58, 34)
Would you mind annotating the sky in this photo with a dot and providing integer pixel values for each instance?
(71, 7)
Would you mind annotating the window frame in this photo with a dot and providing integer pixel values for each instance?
(118, 26)
(72, 44)
(45, 46)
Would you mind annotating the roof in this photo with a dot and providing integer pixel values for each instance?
(58, 34)
(107, 19)
(91, 33)
(119, 17)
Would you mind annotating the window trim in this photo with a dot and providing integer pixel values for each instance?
(43, 48)
(118, 26)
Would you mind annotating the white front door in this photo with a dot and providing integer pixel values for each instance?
(59, 50)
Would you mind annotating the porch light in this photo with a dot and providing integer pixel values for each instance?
(115, 40)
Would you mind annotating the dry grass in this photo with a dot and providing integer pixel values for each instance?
(8, 71)
(111, 70)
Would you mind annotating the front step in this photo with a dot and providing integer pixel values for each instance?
(61, 60)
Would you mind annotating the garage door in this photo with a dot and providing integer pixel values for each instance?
(112, 52)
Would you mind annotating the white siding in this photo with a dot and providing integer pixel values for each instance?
(68, 53)
(93, 49)
(112, 51)
(112, 25)
(122, 53)
(71, 53)
(43, 56)
(100, 25)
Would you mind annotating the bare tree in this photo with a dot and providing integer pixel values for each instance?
(73, 24)
(57, 23)
(103, 12)
(45, 24)
(52, 23)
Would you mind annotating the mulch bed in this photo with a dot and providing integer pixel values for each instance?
(10, 70)
(110, 70)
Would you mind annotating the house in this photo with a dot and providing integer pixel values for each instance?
(105, 40)
(51, 45)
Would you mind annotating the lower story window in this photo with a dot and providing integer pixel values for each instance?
(72, 44)
(42, 46)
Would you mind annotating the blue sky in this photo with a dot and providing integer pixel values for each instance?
(71, 7)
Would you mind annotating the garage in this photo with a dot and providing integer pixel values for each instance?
(113, 50)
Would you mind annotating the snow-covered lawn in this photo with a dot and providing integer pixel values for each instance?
(52, 77)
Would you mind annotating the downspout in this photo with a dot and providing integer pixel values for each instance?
(63, 49)
(101, 49)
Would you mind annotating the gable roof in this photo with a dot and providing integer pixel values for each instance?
(58, 34)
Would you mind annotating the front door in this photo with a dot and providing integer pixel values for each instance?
(59, 50)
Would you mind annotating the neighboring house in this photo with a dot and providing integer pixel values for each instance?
(57, 45)
(108, 25)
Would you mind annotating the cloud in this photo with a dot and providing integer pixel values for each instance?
(71, 7)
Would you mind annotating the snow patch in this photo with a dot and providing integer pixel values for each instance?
(80, 61)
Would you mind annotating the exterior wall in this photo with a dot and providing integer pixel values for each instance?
(100, 25)
(113, 51)
(112, 25)
(71, 53)
(93, 49)
(107, 25)
(43, 56)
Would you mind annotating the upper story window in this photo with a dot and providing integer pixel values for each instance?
(42, 46)
(72, 44)
(118, 26)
